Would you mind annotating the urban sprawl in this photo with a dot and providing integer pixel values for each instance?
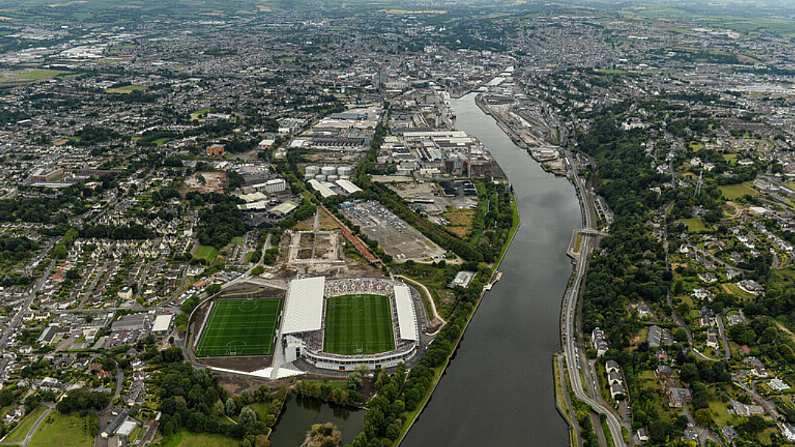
(209, 210)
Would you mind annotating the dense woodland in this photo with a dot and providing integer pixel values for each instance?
(220, 223)
(190, 399)
(631, 264)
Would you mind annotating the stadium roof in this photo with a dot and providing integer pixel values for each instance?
(303, 310)
(407, 318)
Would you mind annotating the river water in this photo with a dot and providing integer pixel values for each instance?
(499, 390)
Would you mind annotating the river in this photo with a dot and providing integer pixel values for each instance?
(498, 390)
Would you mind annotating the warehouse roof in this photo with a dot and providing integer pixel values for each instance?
(322, 188)
(348, 186)
(284, 209)
(162, 323)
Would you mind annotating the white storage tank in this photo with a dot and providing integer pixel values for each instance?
(312, 170)
(328, 170)
(345, 170)
(332, 178)
(320, 178)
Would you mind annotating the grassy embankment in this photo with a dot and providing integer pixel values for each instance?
(19, 432)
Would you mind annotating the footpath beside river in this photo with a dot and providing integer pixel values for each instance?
(499, 388)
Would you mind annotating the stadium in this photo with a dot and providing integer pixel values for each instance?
(319, 325)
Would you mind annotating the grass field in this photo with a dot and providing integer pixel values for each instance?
(125, 90)
(187, 439)
(21, 430)
(694, 225)
(206, 252)
(358, 324)
(732, 192)
(22, 76)
(240, 327)
(461, 221)
(731, 158)
(63, 431)
(200, 114)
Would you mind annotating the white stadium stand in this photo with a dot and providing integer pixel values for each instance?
(303, 309)
(407, 318)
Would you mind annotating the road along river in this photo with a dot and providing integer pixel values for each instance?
(499, 390)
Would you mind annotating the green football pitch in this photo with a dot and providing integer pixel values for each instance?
(358, 324)
(240, 327)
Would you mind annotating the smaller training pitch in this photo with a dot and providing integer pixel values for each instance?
(240, 327)
(358, 324)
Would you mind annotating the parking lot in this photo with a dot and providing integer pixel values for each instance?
(398, 239)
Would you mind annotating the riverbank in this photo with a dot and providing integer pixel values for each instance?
(549, 159)
(563, 401)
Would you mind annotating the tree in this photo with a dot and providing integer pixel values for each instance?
(703, 417)
(323, 435)
(230, 408)
(248, 416)
(680, 335)
(83, 401)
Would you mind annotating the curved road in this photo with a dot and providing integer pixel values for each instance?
(569, 317)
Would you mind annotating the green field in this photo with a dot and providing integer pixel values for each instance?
(63, 431)
(206, 252)
(694, 225)
(358, 324)
(732, 192)
(126, 89)
(240, 327)
(200, 114)
(22, 76)
(187, 439)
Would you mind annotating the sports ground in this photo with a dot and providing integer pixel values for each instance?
(358, 324)
(240, 327)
